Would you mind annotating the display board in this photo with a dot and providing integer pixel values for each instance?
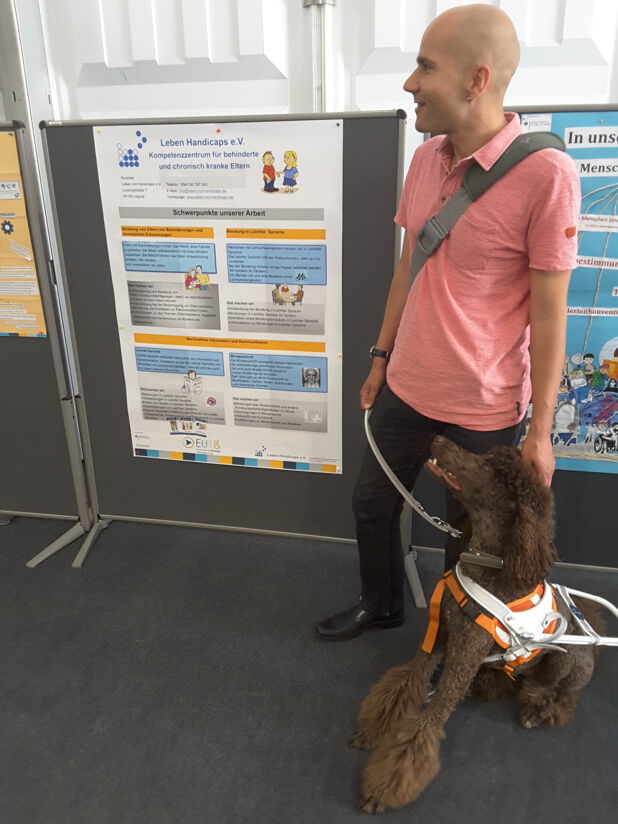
(36, 476)
(21, 308)
(585, 432)
(352, 179)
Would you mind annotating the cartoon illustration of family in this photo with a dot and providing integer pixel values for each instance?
(282, 294)
(289, 172)
(197, 279)
(586, 415)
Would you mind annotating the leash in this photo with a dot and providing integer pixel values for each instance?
(472, 557)
(407, 496)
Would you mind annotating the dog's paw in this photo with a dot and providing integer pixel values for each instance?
(552, 714)
(371, 806)
(530, 717)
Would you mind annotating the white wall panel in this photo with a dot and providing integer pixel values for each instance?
(118, 58)
(114, 32)
(155, 58)
(221, 30)
(545, 23)
(141, 30)
(168, 32)
(569, 51)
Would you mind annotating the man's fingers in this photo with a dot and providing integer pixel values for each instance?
(367, 397)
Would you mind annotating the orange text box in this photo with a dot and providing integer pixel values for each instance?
(168, 231)
(232, 343)
(278, 234)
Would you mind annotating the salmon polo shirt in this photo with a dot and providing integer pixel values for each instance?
(461, 352)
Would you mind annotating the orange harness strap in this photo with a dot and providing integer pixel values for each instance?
(434, 607)
(487, 622)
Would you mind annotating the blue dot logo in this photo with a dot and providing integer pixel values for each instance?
(130, 157)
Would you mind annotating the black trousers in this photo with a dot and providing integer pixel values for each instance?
(404, 436)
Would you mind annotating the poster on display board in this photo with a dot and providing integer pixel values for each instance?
(21, 310)
(224, 243)
(585, 430)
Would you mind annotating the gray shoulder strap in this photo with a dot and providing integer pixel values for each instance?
(475, 183)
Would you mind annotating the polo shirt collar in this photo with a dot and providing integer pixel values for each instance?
(487, 155)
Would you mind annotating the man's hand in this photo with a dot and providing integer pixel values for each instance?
(376, 380)
(538, 452)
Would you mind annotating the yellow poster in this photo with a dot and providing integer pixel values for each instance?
(21, 311)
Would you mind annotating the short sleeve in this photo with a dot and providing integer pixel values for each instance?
(552, 228)
(406, 195)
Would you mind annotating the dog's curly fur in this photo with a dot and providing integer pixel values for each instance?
(511, 515)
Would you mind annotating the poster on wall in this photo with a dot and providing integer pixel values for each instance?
(224, 243)
(21, 311)
(585, 430)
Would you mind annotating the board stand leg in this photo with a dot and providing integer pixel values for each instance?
(409, 559)
(76, 531)
(90, 539)
(73, 534)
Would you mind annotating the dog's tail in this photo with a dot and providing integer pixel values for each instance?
(398, 695)
(402, 765)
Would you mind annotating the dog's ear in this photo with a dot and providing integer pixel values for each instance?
(528, 549)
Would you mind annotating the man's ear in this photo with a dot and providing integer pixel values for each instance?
(480, 78)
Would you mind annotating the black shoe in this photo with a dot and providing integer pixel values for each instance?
(354, 621)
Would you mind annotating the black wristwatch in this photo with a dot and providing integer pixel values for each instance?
(379, 353)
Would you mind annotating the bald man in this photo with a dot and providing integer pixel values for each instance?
(482, 331)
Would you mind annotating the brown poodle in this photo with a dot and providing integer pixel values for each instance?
(511, 516)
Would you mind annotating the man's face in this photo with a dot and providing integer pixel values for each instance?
(437, 85)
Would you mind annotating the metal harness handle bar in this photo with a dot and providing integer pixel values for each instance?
(525, 643)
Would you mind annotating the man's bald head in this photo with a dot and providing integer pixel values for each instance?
(480, 34)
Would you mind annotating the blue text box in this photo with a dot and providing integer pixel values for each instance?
(279, 372)
(170, 256)
(178, 361)
(270, 263)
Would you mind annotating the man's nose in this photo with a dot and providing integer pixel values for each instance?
(411, 84)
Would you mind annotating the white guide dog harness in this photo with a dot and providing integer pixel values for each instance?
(523, 628)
